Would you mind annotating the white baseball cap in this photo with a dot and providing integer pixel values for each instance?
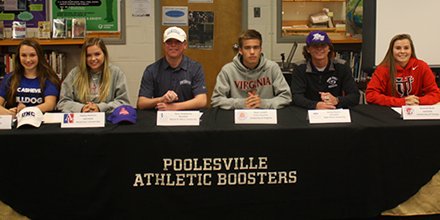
(174, 33)
(30, 116)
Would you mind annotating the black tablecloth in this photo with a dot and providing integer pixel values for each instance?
(292, 169)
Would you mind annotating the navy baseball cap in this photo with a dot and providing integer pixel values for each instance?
(123, 113)
(317, 37)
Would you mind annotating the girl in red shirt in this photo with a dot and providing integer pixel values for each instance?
(401, 78)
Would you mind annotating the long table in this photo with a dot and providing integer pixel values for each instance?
(219, 169)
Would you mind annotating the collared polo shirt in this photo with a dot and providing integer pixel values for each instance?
(187, 80)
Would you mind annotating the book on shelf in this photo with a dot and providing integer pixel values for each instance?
(7, 32)
(61, 67)
(8, 60)
(57, 60)
(59, 28)
(69, 28)
(340, 27)
(354, 61)
(78, 27)
(2, 27)
(44, 29)
(305, 26)
(2, 70)
(319, 18)
(323, 26)
(18, 29)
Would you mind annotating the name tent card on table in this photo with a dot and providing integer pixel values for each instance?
(329, 116)
(421, 112)
(178, 118)
(53, 117)
(5, 122)
(255, 116)
(83, 120)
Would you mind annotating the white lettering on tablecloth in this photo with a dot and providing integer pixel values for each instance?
(232, 171)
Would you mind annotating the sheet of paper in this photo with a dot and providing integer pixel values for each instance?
(83, 120)
(329, 116)
(255, 116)
(178, 118)
(421, 112)
(53, 117)
(5, 122)
(397, 109)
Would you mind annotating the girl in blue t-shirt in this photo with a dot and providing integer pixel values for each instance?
(32, 83)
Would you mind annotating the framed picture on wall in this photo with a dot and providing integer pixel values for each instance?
(104, 19)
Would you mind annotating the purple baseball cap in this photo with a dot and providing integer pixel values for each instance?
(318, 37)
(123, 113)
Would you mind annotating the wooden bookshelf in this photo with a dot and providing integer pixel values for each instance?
(345, 40)
(63, 46)
(295, 20)
(314, 0)
(43, 42)
(64, 41)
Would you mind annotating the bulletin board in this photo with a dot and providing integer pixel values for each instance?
(105, 18)
(30, 12)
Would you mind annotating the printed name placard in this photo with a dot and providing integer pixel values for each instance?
(421, 112)
(6, 122)
(83, 120)
(397, 109)
(329, 116)
(53, 117)
(255, 116)
(178, 118)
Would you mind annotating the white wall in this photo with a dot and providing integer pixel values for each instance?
(418, 20)
(139, 50)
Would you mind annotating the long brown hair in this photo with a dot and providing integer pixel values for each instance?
(44, 72)
(389, 59)
(82, 81)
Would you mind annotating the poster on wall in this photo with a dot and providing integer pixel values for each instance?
(174, 16)
(141, 8)
(30, 12)
(101, 15)
(201, 29)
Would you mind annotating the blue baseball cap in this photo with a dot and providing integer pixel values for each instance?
(123, 113)
(317, 37)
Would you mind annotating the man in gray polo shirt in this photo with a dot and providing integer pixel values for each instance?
(174, 82)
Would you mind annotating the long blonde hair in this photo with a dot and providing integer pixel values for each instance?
(82, 81)
(389, 59)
